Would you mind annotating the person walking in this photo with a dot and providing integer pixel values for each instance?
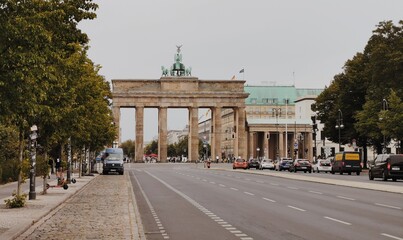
(50, 163)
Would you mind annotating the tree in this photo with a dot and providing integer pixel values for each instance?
(358, 92)
(129, 148)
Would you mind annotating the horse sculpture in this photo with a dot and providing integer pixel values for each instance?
(164, 71)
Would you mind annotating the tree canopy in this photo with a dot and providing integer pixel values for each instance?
(369, 79)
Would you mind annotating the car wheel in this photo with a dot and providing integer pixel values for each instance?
(384, 177)
(394, 179)
(295, 170)
(233, 167)
(358, 173)
(332, 172)
(349, 173)
(370, 175)
(304, 171)
(310, 171)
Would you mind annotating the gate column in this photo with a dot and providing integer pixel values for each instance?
(216, 133)
(116, 121)
(139, 134)
(193, 139)
(162, 134)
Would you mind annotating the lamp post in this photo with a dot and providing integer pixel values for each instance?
(33, 136)
(258, 152)
(384, 108)
(339, 125)
(314, 129)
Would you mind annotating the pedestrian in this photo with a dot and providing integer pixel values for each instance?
(58, 168)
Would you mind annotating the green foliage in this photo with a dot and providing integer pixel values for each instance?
(17, 201)
(368, 78)
(129, 148)
(8, 154)
(152, 147)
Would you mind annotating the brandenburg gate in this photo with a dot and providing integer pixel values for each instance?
(181, 90)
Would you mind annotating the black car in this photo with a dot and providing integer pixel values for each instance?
(301, 165)
(386, 166)
(253, 163)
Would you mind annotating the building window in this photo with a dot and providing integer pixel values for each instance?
(253, 100)
(265, 100)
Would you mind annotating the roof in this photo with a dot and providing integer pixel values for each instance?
(277, 95)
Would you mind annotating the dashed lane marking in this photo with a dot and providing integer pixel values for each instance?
(347, 198)
(268, 199)
(249, 193)
(391, 236)
(202, 209)
(315, 192)
(388, 206)
(295, 208)
(337, 220)
(155, 216)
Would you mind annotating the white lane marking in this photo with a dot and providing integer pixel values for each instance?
(212, 182)
(268, 199)
(347, 198)
(293, 188)
(222, 185)
(337, 220)
(391, 236)
(193, 202)
(299, 209)
(234, 189)
(150, 206)
(315, 192)
(388, 206)
(249, 193)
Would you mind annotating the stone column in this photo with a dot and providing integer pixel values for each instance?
(242, 147)
(281, 144)
(235, 133)
(266, 144)
(193, 141)
(116, 121)
(251, 144)
(216, 133)
(162, 134)
(139, 134)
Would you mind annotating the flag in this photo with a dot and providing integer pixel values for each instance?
(233, 77)
(242, 70)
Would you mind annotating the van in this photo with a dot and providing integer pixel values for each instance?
(386, 166)
(113, 161)
(347, 162)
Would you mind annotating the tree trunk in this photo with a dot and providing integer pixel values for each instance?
(21, 148)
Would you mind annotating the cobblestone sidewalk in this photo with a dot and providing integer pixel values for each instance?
(103, 209)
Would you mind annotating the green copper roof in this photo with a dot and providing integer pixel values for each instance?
(276, 95)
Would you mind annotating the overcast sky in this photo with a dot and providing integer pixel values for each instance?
(301, 42)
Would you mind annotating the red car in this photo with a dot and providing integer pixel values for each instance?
(240, 163)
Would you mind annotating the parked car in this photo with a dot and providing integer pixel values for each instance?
(347, 162)
(386, 166)
(253, 163)
(283, 164)
(301, 165)
(240, 163)
(322, 165)
(266, 164)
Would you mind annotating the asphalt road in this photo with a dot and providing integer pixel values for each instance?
(187, 201)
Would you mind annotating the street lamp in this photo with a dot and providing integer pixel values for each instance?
(258, 151)
(314, 129)
(384, 108)
(339, 125)
(33, 136)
